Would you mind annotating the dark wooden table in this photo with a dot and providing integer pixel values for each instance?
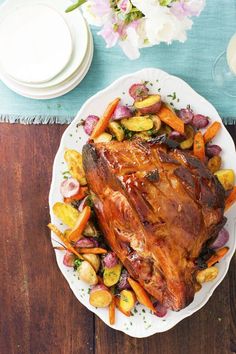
(38, 312)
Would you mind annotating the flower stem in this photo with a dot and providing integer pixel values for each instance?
(76, 5)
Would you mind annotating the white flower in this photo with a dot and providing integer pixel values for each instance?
(131, 44)
(160, 24)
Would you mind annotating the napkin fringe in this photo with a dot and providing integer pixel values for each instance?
(36, 119)
(66, 119)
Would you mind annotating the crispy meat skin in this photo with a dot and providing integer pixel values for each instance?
(157, 209)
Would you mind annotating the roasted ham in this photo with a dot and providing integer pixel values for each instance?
(158, 208)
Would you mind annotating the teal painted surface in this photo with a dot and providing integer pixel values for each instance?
(192, 61)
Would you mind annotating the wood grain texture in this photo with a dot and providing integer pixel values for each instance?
(39, 313)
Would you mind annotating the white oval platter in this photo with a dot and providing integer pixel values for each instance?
(143, 323)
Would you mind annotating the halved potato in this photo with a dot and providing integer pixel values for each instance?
(66, 213)
(207, 274)
(103, 138)
(156, 122)
(86, 273)
(90, 230)
(127, 300)
(137, 124)
(111, 276)
(74, 161)
(226, 178)
(188, 143)
(214, 164)
(116, 129)
(93, 259)
(142, 135)
(149, 105)
(100, 296)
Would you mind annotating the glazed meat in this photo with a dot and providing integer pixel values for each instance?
(157, 208)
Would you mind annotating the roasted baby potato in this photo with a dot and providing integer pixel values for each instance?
(142, 135)
(103, 138)
(74, 161)
(226, 178)
(207, 274)
(111, 276)
(127, 300)
(165, 129)
(149, 105)
(93, 259)
(188, 143)
(86, 273)
(214, 164)
(100, 296)
(90, 230)
(66, 213)
(137, 124)
(156, 123)
(116, 129)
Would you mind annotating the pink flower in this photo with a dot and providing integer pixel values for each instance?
(109, 35)
(187, 8)
(125, 6)
(101, 7)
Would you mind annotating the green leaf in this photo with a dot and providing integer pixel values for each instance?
(75, 6)
(77, 263)
(165, 2)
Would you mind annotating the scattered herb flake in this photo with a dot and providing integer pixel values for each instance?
(77, 263)
(173, 96)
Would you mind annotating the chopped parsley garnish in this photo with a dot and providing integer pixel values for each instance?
(128, 133)
(77, 263)
(173, 96)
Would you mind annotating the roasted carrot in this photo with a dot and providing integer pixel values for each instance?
(112, 311)
(217, 256)
(59, 248)
(67, 244)
(76, 232)
(141, 294)
(211, 131)
(231, 199)
(117, 302)
(171, 119)
(78, 196)
(95, 250)
(199, 146)
(103, 122)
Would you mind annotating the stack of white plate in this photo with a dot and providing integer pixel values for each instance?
(45, 52)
